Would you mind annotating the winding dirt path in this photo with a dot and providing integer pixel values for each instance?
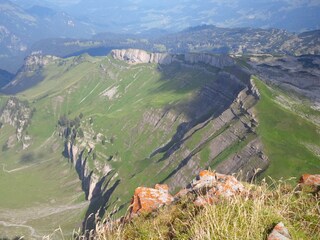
(28, 215)
(32, 230)
(24, 167)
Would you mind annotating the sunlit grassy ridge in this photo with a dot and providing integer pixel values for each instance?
(285, 133)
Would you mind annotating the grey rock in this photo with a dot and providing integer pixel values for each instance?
(280, 232)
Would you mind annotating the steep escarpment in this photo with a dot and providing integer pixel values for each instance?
(134, 56)
(227, 139)
(300, 74)
(79, 147)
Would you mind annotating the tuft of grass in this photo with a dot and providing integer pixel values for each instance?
(249, 216)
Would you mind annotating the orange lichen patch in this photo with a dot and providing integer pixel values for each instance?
(279, 232)
(228, 186)
(149, 199)
(205, 173)
(310, 180)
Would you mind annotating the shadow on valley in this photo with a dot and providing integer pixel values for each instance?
(100, 194)
(23, 81)
(98, 203)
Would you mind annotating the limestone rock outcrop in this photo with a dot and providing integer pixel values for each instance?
(136, 56)
(212, 60)
(18, 114)
(279, 232)
(148, 199)
(39, 60)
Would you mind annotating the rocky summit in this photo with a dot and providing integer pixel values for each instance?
(208, 189)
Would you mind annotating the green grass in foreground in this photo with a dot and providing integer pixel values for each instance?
(251, 216)
(284, 135)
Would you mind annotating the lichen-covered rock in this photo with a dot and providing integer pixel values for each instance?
(148, 199)
(210, 186)
(279, 232)
(310, 180)
(313, 181)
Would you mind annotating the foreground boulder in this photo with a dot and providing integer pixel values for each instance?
(279, 232)
(210, 186)
(148, 199)
(312, 181)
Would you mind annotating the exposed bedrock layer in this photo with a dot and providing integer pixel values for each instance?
(135, 56)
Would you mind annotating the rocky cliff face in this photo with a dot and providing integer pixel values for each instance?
(80, 151)
(300, 74)
(136, 56)
(91, 179)
(237, 123)
(37, 60)
(18, 114)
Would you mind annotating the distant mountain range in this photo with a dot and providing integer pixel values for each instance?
(140, 15)
(20, 27)
(75, 27)
(206, 38)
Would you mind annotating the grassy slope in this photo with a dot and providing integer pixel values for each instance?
(284, 134)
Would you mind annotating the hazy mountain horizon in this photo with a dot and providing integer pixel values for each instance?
(139, 15)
